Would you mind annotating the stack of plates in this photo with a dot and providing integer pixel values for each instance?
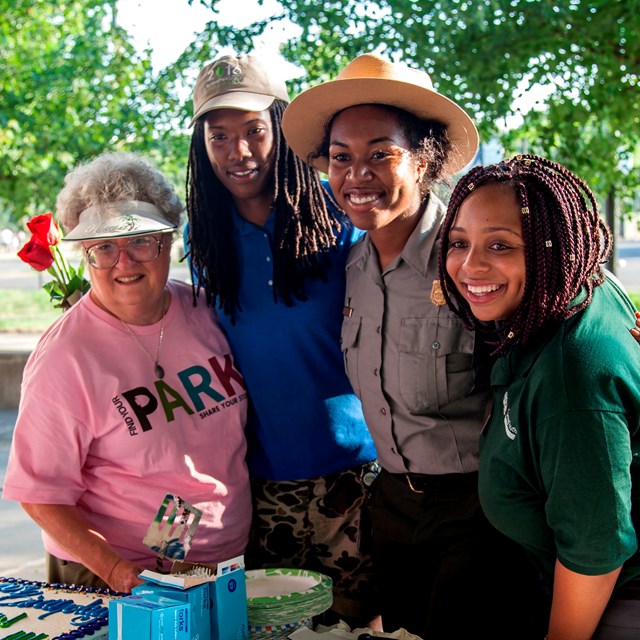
(279, 600)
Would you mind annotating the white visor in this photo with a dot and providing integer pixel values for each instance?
(119, 219)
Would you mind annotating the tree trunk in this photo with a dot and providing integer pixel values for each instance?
(610, 217)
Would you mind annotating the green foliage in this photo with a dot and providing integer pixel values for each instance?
(73, 86)
(485, 54)
(63, 294)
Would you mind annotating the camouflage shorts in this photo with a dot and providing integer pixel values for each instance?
(320, 525)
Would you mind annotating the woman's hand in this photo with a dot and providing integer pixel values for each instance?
(124, 576)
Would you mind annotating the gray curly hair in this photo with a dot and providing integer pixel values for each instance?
(112, 177)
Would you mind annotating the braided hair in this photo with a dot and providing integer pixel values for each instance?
(565, 243)
(305, 226)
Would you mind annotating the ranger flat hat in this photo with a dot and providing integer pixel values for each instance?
(370, 79)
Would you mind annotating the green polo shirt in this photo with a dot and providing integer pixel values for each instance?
(560, 456)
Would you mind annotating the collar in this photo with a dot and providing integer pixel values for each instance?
(244, 227)
(420, 244)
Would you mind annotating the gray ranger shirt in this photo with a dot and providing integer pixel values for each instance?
(410, 360)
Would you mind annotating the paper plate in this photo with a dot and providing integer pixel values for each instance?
(277, 631)
(283, 596)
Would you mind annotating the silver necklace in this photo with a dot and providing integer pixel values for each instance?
(157, 368)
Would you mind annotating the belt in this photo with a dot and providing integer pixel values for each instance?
(369, 472)
(425, 482)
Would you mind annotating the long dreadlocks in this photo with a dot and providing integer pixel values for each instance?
(305, 227)
(565, 243)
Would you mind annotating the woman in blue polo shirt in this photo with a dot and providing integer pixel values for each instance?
(269, 252)
(522, 249)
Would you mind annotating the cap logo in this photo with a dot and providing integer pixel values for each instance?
(129, 222)
(224, 72)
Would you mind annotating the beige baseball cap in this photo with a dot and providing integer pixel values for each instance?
(241, 82)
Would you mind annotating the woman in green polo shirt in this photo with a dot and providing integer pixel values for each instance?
(522, 250)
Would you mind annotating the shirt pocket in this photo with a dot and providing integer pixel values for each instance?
(349, 336)
(435, 362)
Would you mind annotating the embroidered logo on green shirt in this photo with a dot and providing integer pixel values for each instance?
(509, 429)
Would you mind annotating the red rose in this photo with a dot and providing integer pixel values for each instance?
(36, 254)
(45, 229)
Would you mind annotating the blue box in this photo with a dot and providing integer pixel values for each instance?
(228, 594)
(229, 616)
(136, 618)
(198, 598)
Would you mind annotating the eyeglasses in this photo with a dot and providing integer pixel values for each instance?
(106, 254)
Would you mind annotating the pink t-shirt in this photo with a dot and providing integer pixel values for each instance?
(97, 429)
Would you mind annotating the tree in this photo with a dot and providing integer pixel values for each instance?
(486, 54)
(73, 86)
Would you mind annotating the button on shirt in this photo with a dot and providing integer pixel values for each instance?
(410, 360)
